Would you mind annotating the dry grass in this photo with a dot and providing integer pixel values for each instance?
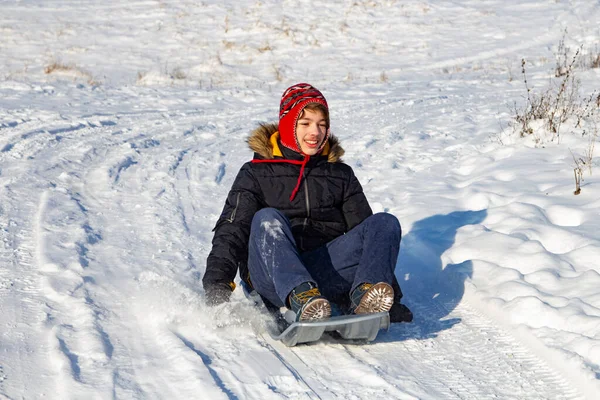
(141, 75)
(228, 45)
(589, 153)
(278, 73)
(593, 58)
(57, 67)
(264, 48)
(596, 61)
(585, 161)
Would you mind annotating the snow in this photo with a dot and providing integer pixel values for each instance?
(123, 125)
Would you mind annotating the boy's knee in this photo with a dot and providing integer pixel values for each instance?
(387, 222)
(267, 215)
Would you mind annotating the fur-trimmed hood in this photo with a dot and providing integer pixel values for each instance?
(260, 142)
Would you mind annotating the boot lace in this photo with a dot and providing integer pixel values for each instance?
(307, 295)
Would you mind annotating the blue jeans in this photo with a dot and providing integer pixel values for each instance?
(367, 253)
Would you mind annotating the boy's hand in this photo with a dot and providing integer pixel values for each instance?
(400, 313)
(216, 294)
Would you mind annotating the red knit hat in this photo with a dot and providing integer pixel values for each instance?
(293, 101)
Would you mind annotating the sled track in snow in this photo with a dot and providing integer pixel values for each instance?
(474, 359)
(477, 359)
(21, 305)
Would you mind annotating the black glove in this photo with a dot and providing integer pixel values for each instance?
(217, 293)
(400, 313)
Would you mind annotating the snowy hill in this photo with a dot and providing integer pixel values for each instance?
(123, 125)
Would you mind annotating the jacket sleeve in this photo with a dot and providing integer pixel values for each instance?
(232, 231)
(356, 207)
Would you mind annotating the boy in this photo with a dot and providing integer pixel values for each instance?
(298, 226)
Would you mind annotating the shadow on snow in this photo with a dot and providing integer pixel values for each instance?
(431, 290)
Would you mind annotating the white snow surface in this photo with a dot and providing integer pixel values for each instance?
(123, 125)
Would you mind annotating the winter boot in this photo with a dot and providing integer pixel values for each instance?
(308, 304)
(372, 298)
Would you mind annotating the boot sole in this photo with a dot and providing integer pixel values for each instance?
(315, 310)
(379, 298)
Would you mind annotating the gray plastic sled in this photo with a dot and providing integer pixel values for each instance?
(361, 327)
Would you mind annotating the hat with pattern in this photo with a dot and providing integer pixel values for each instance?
(293, 101)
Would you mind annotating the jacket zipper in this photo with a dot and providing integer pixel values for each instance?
(307, 210)
(237, 203)
(307, 200)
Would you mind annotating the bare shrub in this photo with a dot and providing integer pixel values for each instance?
(589, 59)
(555, 105)
(584, 161)
(596, 61)
(178, 74)
(592, 59)
(590, 105)
(578, 178)
(536, 108)
(510, 72)
(566, 98)
(141, 75)
(562, 57)
(578, 171)
(278, 73)
(589, 153)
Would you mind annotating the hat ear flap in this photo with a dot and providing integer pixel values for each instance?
(287, 130)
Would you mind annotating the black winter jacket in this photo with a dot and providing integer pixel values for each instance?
(328, 203)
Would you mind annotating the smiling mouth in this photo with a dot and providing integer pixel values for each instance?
(312, 143)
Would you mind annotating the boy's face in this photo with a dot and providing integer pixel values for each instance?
(310, 131)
